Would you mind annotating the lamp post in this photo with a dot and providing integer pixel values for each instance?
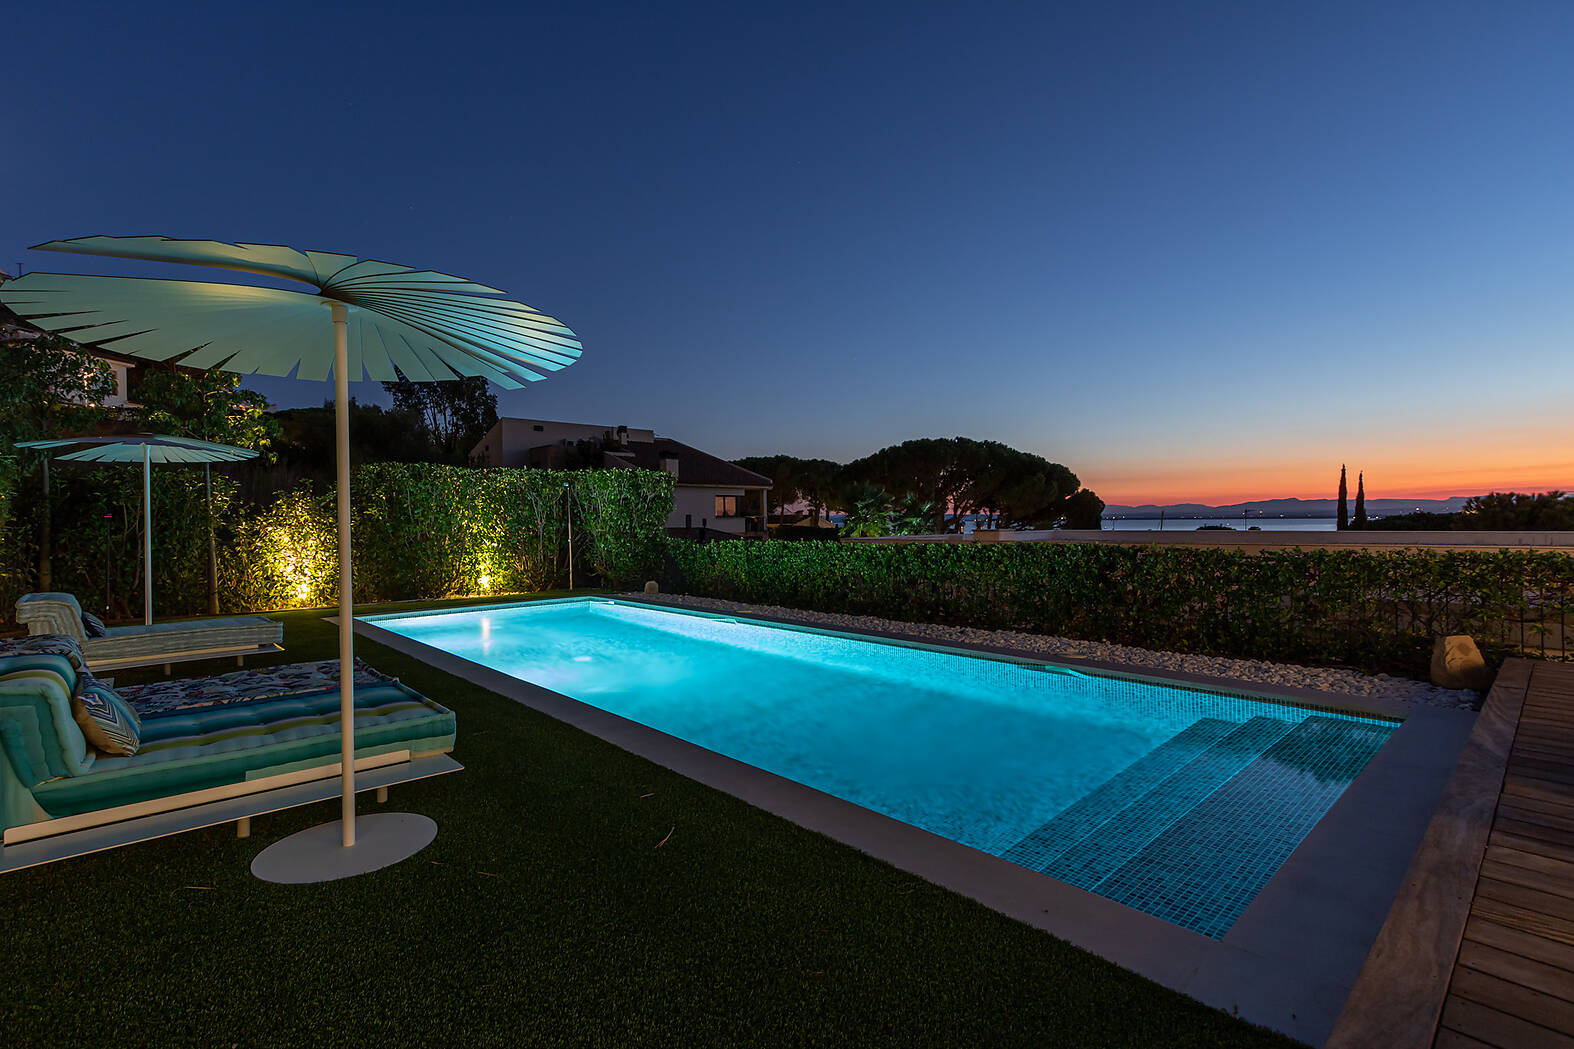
(108, 517)
(568, 506)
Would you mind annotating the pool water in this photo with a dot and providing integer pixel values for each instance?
(1178, 802)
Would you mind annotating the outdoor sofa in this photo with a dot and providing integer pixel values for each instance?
(144, 645)
(85, 767)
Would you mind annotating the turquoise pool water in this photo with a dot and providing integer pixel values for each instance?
(1177, 802)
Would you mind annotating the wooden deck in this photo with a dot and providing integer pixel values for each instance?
(1513, 979)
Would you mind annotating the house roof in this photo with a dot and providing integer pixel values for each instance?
(694, 466)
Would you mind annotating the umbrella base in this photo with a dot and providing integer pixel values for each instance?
(315, 854)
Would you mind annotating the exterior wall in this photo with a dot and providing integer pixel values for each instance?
(510, 441)
(699, 503)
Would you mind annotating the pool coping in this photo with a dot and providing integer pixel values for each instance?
(1288, 962)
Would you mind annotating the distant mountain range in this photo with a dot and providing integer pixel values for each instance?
(1288, 508)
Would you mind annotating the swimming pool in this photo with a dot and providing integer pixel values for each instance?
(1179, 802)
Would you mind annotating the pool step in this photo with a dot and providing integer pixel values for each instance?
(1105, 850)
(1084, 816)
(1208, 865)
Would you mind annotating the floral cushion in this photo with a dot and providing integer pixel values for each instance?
(242, 686)
(45, 645)
(92, 626)
(107, 721)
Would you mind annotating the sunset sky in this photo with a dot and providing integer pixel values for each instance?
(1196, 252)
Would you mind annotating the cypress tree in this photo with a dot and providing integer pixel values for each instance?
(1360, 500)
(1344, 501)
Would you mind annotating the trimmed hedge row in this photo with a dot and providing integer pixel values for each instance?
(420, 530)
(424, 530)
(96, 526)
(1376, 611)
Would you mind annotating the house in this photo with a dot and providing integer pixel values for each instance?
(15, 329)
(710, 495)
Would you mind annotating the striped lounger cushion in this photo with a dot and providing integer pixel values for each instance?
(213, 746)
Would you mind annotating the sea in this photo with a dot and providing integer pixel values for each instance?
(1190, 524)
(1186, 524)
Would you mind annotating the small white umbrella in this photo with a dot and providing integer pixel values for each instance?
(387, 319)
(146, 449)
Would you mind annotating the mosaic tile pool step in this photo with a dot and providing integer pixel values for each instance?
(1101, 853)
(1083, 817)
(1207, 866)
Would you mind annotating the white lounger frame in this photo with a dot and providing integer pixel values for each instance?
(59, 839)
(184, 655)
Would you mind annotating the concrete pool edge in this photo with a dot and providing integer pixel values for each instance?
(1288, 962)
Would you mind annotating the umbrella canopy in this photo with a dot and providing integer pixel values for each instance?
(387, 320)
(147, 449)
(135, 447)
(427, 325)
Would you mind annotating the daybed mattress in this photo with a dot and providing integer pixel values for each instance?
(216, 745)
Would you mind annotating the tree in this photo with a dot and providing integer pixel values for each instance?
(793, 480)
(1501, 511)
(1360, 500)
(868, 508)
(49, 387)
(1512, 511)
(1344, 502)
(454, 414)
(1084, 510)
(958, 476)
(209, 405)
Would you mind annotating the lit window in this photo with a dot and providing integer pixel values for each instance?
(726, 506)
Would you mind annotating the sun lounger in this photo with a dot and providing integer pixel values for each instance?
(140, 645)
(206, 751)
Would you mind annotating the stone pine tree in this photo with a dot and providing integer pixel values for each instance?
(1360, 500)
(1344, 501)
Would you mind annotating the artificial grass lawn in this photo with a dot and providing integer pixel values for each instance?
(548, 912)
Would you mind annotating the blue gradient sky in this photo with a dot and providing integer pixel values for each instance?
(1201, 251)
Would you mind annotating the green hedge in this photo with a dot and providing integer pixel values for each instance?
(420, 531)
(424, 530)
(1371, 610)
(80, 499)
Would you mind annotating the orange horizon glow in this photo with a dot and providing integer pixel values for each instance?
(1385, 479)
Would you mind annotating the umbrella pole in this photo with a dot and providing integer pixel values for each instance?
(45, 541)
(213, 546)
(384, 837)
(341, 420)
(147, 534)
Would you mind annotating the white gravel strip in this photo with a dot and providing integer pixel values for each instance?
(1329, 679)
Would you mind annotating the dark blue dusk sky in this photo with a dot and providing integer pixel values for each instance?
(1202, 251)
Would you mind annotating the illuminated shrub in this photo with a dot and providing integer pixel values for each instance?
(285, 556)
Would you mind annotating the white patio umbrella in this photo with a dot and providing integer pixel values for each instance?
(386, 319)
(146, 449)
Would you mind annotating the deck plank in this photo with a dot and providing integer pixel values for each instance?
(1500, 1029)
(1526, 945)
(1532, 859)
(1529, 878)
(1447, 1039)
(1527, 919)
(1513, 998)
(1523, 815)
(1534, 831)
(1549, 849)
(1513, 968)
